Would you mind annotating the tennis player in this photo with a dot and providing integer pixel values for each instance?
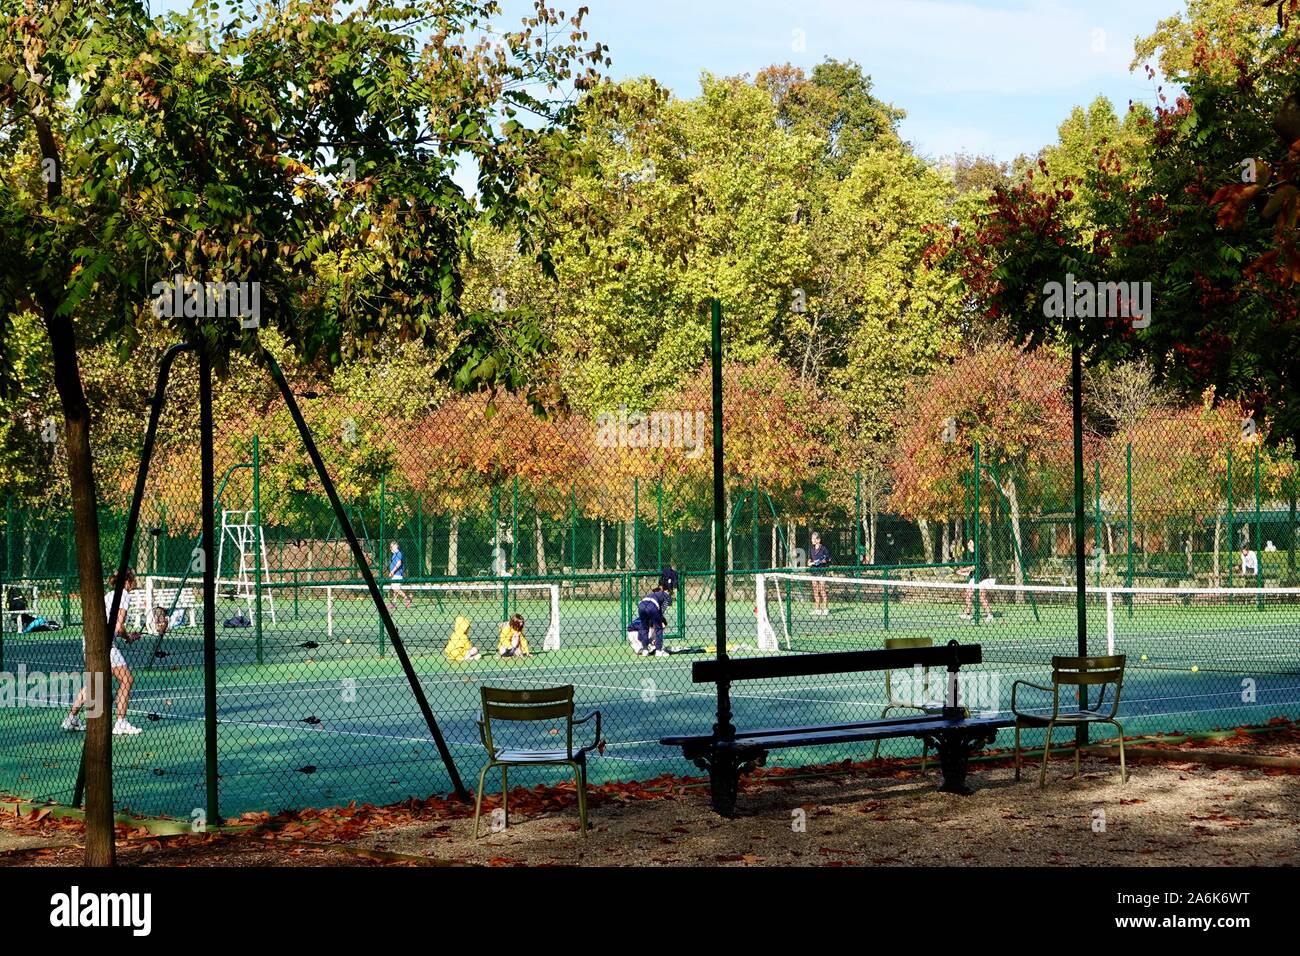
(652, 614)
(397, 571)
(122, 726)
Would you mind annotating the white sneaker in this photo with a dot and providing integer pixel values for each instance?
(988, 618)
(73, 724)
(125, 728)
(964, 616)
(661, 653)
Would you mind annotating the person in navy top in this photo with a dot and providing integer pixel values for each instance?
(819, 557)
(652, 614)
(397, 571)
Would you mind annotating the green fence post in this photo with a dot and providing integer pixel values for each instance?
(659, 524)
(496, 529)
(886, 589)
(573, 531)
(1232, 537)
(1128, 503)
(380, 563)
(514, 527)
(975, 495)
(257, 547)
(1096, 519)
(1290, 527)
(859, 556)
(636, 523)
(1259, 554)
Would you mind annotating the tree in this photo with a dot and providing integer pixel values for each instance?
(1009, 400)
(310, 151)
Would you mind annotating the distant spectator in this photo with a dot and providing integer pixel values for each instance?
(969, 573)
(819, 557)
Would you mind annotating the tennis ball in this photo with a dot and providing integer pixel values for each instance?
(347, 640)
(554, 731)
(1144, 657)
(1195, 668)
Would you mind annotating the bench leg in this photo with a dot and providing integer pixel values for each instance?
(724, 782)
(724, 766)
(955, 750)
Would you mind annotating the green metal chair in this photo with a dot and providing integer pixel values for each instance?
(905, 642)
(1084, 673)
(552, 703)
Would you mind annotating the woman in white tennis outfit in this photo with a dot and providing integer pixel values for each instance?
(117, 662)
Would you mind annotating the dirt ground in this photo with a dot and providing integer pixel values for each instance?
(1171, 812)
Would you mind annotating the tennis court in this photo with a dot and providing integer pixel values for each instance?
(327, 716)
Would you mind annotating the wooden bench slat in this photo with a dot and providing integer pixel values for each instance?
(772, 731)
(878, 730)
(838, 662)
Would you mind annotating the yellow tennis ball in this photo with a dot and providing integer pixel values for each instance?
(1195, 668)
(347, 640)
(1144, 657)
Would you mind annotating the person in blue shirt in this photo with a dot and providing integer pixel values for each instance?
(652, 615)
(819, 557)
(397, 571)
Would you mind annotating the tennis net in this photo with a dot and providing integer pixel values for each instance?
(1206, 628)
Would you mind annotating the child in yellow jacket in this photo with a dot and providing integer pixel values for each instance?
(511, 642)
(458, 647)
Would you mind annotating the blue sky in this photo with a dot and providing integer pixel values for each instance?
(984, 76)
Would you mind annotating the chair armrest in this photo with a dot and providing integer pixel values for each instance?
(1047, 690)
(596, 741)
(482, 728)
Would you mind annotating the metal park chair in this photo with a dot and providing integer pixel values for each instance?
(1084, 673)
(545, 704)
(911, 704)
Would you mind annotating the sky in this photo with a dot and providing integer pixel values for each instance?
(993, 77)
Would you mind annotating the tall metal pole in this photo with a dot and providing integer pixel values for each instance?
(724, 727)
(977, 572)
(258, 546)
(209, 586)
(1080, 546)
(1128, 500)
(363, 564)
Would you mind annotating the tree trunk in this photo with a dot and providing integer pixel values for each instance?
(600, 534)
(1017, 559)
(874, 530)
(98, 745)
(726, 509)
(927, 540)
(1218, 534)
(629, 545)
(540, 547)
(453, 546)
(1290, 527)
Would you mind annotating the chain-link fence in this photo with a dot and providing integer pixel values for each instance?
(471, 512)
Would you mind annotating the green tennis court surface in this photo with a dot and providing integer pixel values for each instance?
(324, 718)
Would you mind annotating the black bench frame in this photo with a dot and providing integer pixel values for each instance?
(725, 754)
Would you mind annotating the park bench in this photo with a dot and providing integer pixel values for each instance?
(951, 731)
(170, 600)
